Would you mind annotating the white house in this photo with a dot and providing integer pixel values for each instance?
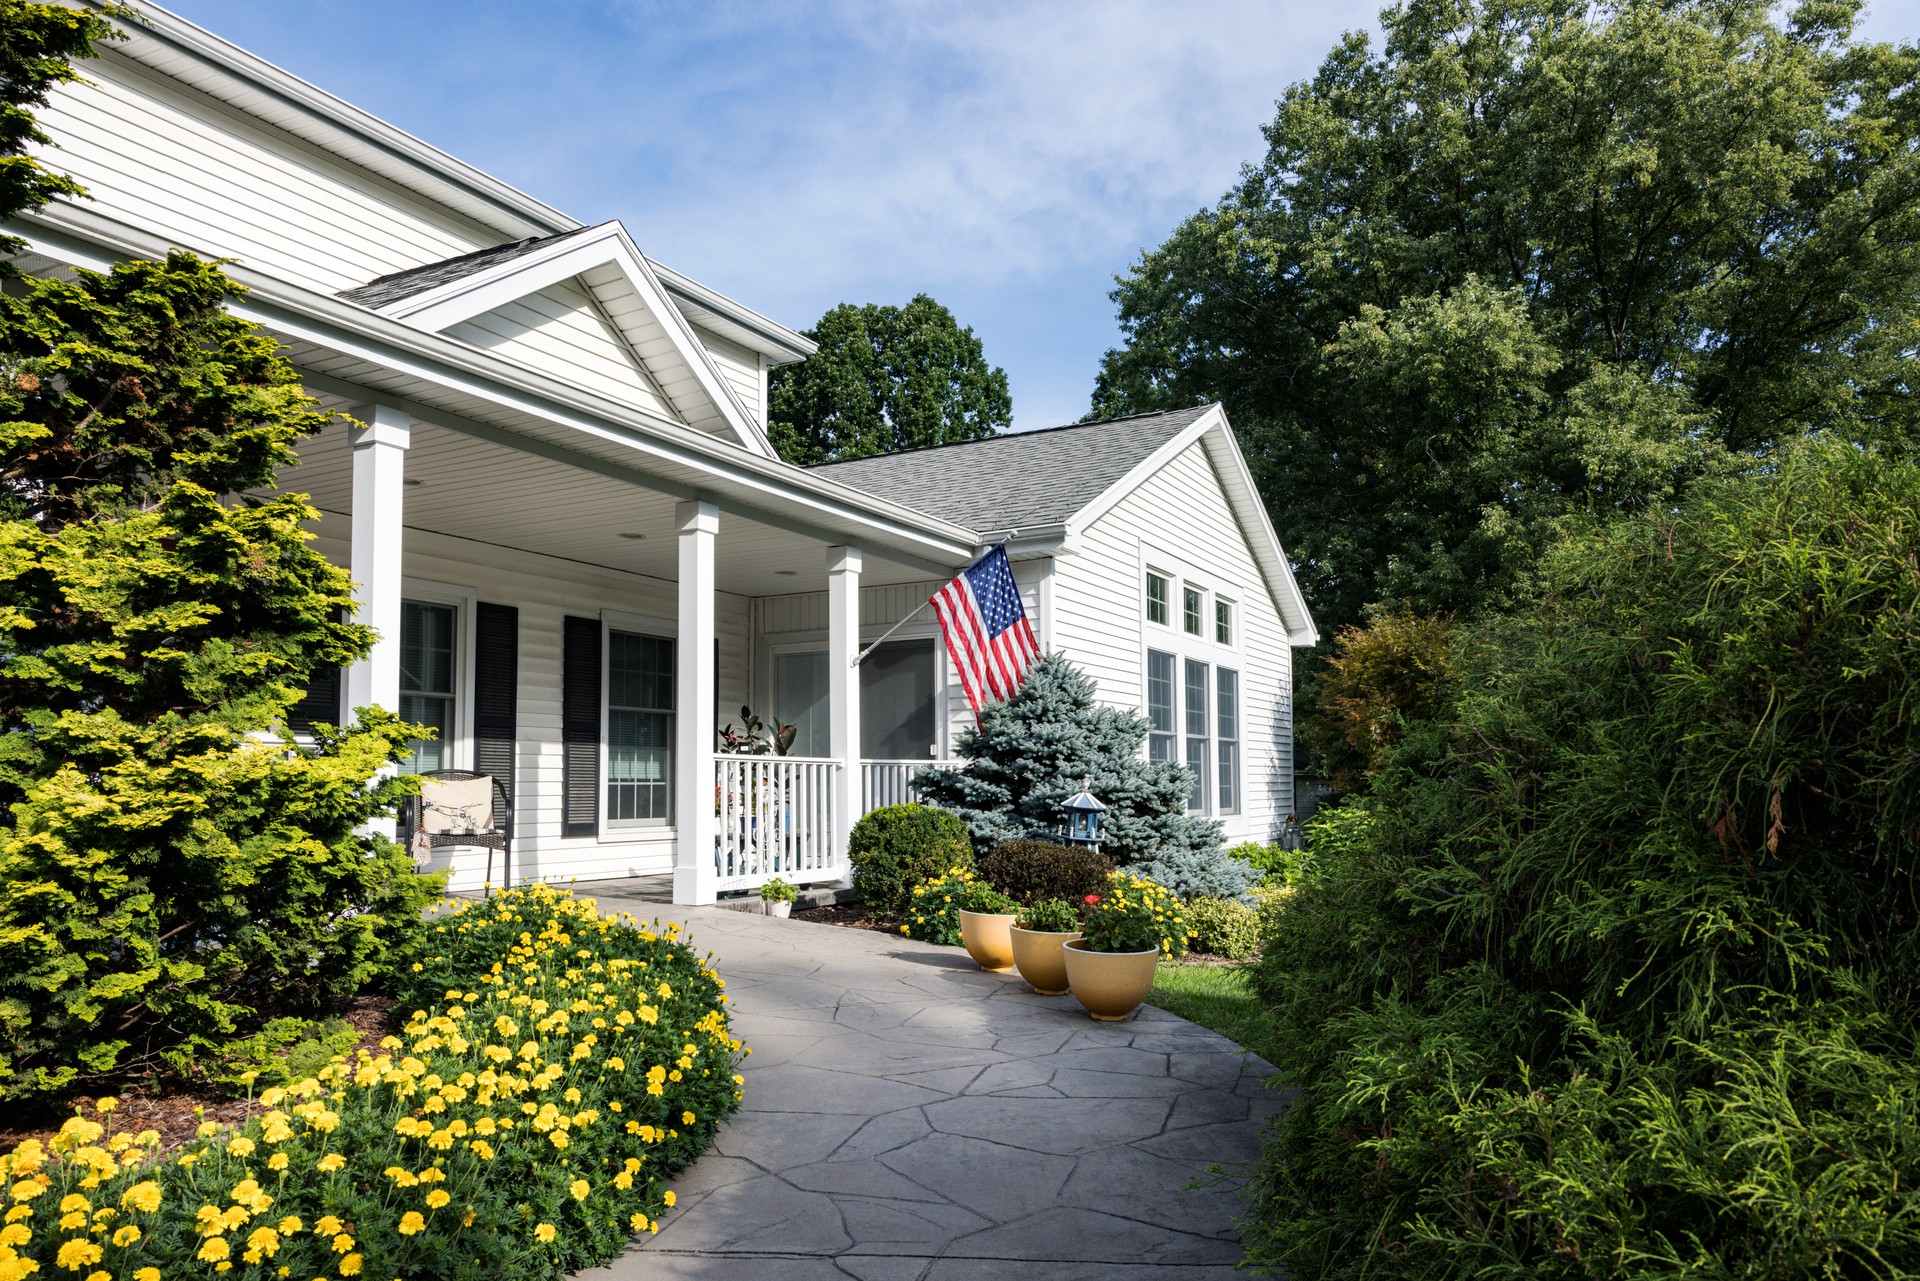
(563, 516)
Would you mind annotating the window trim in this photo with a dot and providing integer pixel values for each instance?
(1172, 583)
(628, 830)
(947, 699)
(1199, 595)
(1224, 612)
(1203, 647)
(462, 599)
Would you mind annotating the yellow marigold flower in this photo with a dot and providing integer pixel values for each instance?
(278, 1161)
(126, 1236)
(144, 1197)
(543, 1233)
(411, 1222)
(437, 1198)
(214, 1249)
(18, 1234)
(240, 1145)
(623, 1180)
(342, 1243)
(638, 1223)
(28, 1189)
(78, 1253)
(433, 1175)
(350, 1266)
(100, 1276)
(330, 1162)
(77, 1219)
(147, 1274)
(74, 1201)
(687, 1118)
(580, 1188)
(558, 1138)
(327, 1226)
(291, 1224)
(265, 1240)
(668, 1197)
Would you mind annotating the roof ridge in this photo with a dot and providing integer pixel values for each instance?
(1014, 435)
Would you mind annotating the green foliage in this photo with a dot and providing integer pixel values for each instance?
(1035, 870)
(1031, 753)
(778, 891)
(1050, 916)
(897, 846)
(1530, 260)
(1379, 676)
(40, 44)
(934, 905)
(507, 1133)
(1612, 976)
(885, 378)
(1223, 927)
(1278, 865)
(286, 1049)
(1132, 914)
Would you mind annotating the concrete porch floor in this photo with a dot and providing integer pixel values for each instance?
(911, 1118)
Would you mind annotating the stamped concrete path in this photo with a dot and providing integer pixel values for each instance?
(911, 1118)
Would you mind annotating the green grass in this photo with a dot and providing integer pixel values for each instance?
(1218, 997)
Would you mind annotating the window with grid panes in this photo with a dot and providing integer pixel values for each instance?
(1197, 736)
(1190, 613)
(1227, 737)
(1159, 706)
(639, 728)
(1222, 622)
(427, 681)
(1157, 586)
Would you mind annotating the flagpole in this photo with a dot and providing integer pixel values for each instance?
(861, 657)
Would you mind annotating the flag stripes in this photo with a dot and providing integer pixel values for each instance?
(986, 629)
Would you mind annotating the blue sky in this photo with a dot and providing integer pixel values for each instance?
(1008, 159)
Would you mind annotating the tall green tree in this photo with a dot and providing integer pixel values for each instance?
(1535, 258)
(173, 874)
(886, 378)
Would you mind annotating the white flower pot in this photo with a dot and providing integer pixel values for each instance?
(777, 909)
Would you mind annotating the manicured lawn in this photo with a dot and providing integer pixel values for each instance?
(1217, 997)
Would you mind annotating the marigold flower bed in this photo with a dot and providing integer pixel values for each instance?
(559, 1065)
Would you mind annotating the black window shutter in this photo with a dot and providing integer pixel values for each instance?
(322, 701)
(496, 690)
(580, 726)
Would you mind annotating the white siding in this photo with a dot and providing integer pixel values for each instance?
(560, 331)
(176, 164)
(741, 369)
(545, 591)
(1099, 619)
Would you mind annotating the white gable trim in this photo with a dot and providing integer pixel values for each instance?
(1243, 497)
(600, 257)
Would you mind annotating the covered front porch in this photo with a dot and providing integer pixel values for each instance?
(581, 628)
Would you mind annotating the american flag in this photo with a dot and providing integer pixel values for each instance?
(986, 629)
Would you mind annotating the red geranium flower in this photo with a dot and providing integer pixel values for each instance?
(1092, 899)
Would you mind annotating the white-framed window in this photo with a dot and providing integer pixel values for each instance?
(639, 728)
(1193, 604)
(1222, 622)
(1194, 697)
(1159, 596)
(903, 693)
(436, 665)
(1160, 705)
(1226, 710)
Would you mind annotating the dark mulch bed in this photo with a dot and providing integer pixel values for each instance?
(853, 916)
(168, 1104)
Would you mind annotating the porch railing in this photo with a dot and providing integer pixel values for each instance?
(775, 815)
(891, 782)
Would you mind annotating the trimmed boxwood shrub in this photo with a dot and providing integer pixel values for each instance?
(896, 847)
(560, 1065)
(1223, 927)
(1035, 870)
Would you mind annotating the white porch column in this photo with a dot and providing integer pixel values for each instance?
(379, 500)
(843, 687)
(694, 877)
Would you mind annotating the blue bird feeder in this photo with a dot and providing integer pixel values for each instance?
(1083, 817)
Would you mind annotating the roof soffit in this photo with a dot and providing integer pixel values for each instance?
(606, 263)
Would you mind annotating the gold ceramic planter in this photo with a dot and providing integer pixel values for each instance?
(986, 937)
(1111, 985)
(1041, 960)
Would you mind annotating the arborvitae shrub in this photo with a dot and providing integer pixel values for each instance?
(1035, 870)
(1223, 927)
(896, 847)
(1191, 874)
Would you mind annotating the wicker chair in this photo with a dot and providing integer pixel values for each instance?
(497, 835)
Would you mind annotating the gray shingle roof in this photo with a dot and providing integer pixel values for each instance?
(1021, 479)
(392, 288)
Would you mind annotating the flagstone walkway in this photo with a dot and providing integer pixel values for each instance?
(911, 1118)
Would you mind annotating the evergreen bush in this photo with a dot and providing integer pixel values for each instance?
(1223, 927)
(176, 888)
(1210, 873)
(896, 847)
(1614, 973)
(1033, 870)
(1032, 752)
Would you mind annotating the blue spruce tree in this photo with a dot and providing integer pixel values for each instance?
(1031, 753)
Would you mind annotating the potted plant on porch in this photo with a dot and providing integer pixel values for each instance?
(986, 916)
(1126, 932)
(776, 897)
(1037, 939)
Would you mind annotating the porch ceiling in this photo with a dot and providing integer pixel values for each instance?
(491, 493)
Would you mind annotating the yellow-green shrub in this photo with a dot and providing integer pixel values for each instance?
(520, 1127)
